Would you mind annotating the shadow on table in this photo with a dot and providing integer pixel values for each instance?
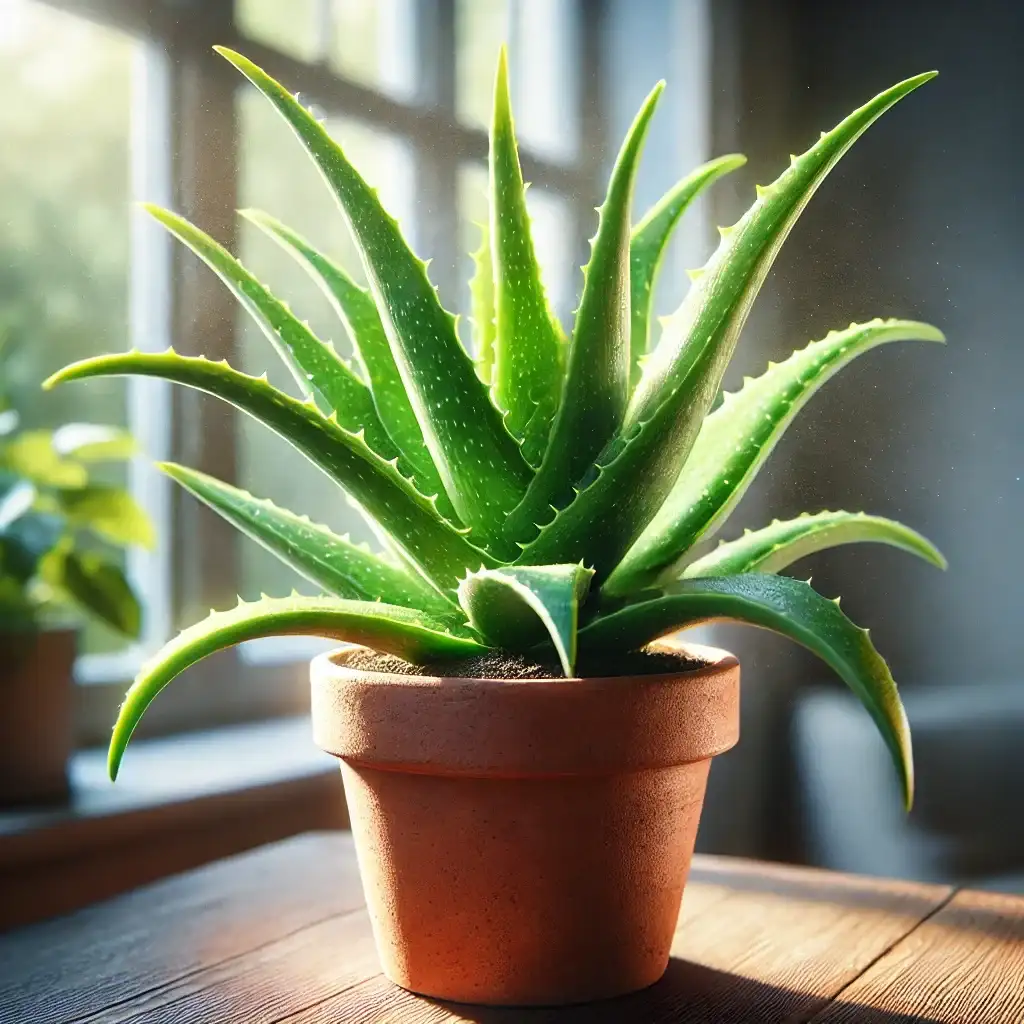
(692, 994)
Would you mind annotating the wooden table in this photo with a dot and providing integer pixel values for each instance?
(280, 934)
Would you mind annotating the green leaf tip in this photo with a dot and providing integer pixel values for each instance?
(525, 371)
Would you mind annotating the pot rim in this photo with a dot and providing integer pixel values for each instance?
(526, 728)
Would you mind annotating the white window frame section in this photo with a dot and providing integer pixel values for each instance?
(149, 410)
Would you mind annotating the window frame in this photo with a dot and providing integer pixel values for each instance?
(190, 100)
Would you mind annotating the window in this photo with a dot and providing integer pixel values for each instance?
(65, 126)
(406, 86)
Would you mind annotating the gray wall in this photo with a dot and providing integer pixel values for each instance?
(923, 218)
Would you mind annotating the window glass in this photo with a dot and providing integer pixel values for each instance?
(544, 76)
(64, 215)
(542, 66)
(291, 26)
(277, 176)
(373, 42)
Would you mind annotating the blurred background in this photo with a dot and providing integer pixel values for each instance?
(107, 102)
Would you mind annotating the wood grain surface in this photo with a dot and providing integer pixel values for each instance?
(280, 935)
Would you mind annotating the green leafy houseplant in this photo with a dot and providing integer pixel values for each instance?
(547, 494)
(56, 520)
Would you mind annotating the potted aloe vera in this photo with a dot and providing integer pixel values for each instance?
(58, 524)
(524, 743)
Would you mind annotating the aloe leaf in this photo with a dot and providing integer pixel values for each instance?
(775, 547)
(480, 463)
(481, 294)
(635, 473)
(650, 240)
(109, 512)
(97, 586)
(411, 635)
(526, 380)
(786, 606)
(356, 309)
(596, 388)
(440, 551)
(735, 442)
(316, 367)
(342, 568)
(94, 442)
(518, 607)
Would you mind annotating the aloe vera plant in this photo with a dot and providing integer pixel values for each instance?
(546, 494)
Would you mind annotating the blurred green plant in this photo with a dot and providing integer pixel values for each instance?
(58, 525)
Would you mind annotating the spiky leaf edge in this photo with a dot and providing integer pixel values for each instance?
(336, 564)
(734, 443)
(481, 466)
(785, 606)
(401, 631)
(649, 242)
(440, 551)
(777, 546)
(635, 473)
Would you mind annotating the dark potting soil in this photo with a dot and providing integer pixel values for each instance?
(500, 665)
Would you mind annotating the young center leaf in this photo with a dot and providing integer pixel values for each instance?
(735, 441)
(785, 606)
(481, 295)
(411, 635)
(480, 463)
(526, 379)
(683, 375)
(596, 387)
(650, 240)
(334, 563)
(775, 547)
(517, 607)
(440, 551)
(356, 309)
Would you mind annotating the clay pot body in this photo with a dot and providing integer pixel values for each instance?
(525, 842)
(36, 705)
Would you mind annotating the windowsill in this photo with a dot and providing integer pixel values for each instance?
(180, 801)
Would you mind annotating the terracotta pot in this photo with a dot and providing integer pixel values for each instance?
(525, 842)
(36, 704)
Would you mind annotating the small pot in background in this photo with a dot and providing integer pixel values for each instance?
(525, 841)
(36, 715)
